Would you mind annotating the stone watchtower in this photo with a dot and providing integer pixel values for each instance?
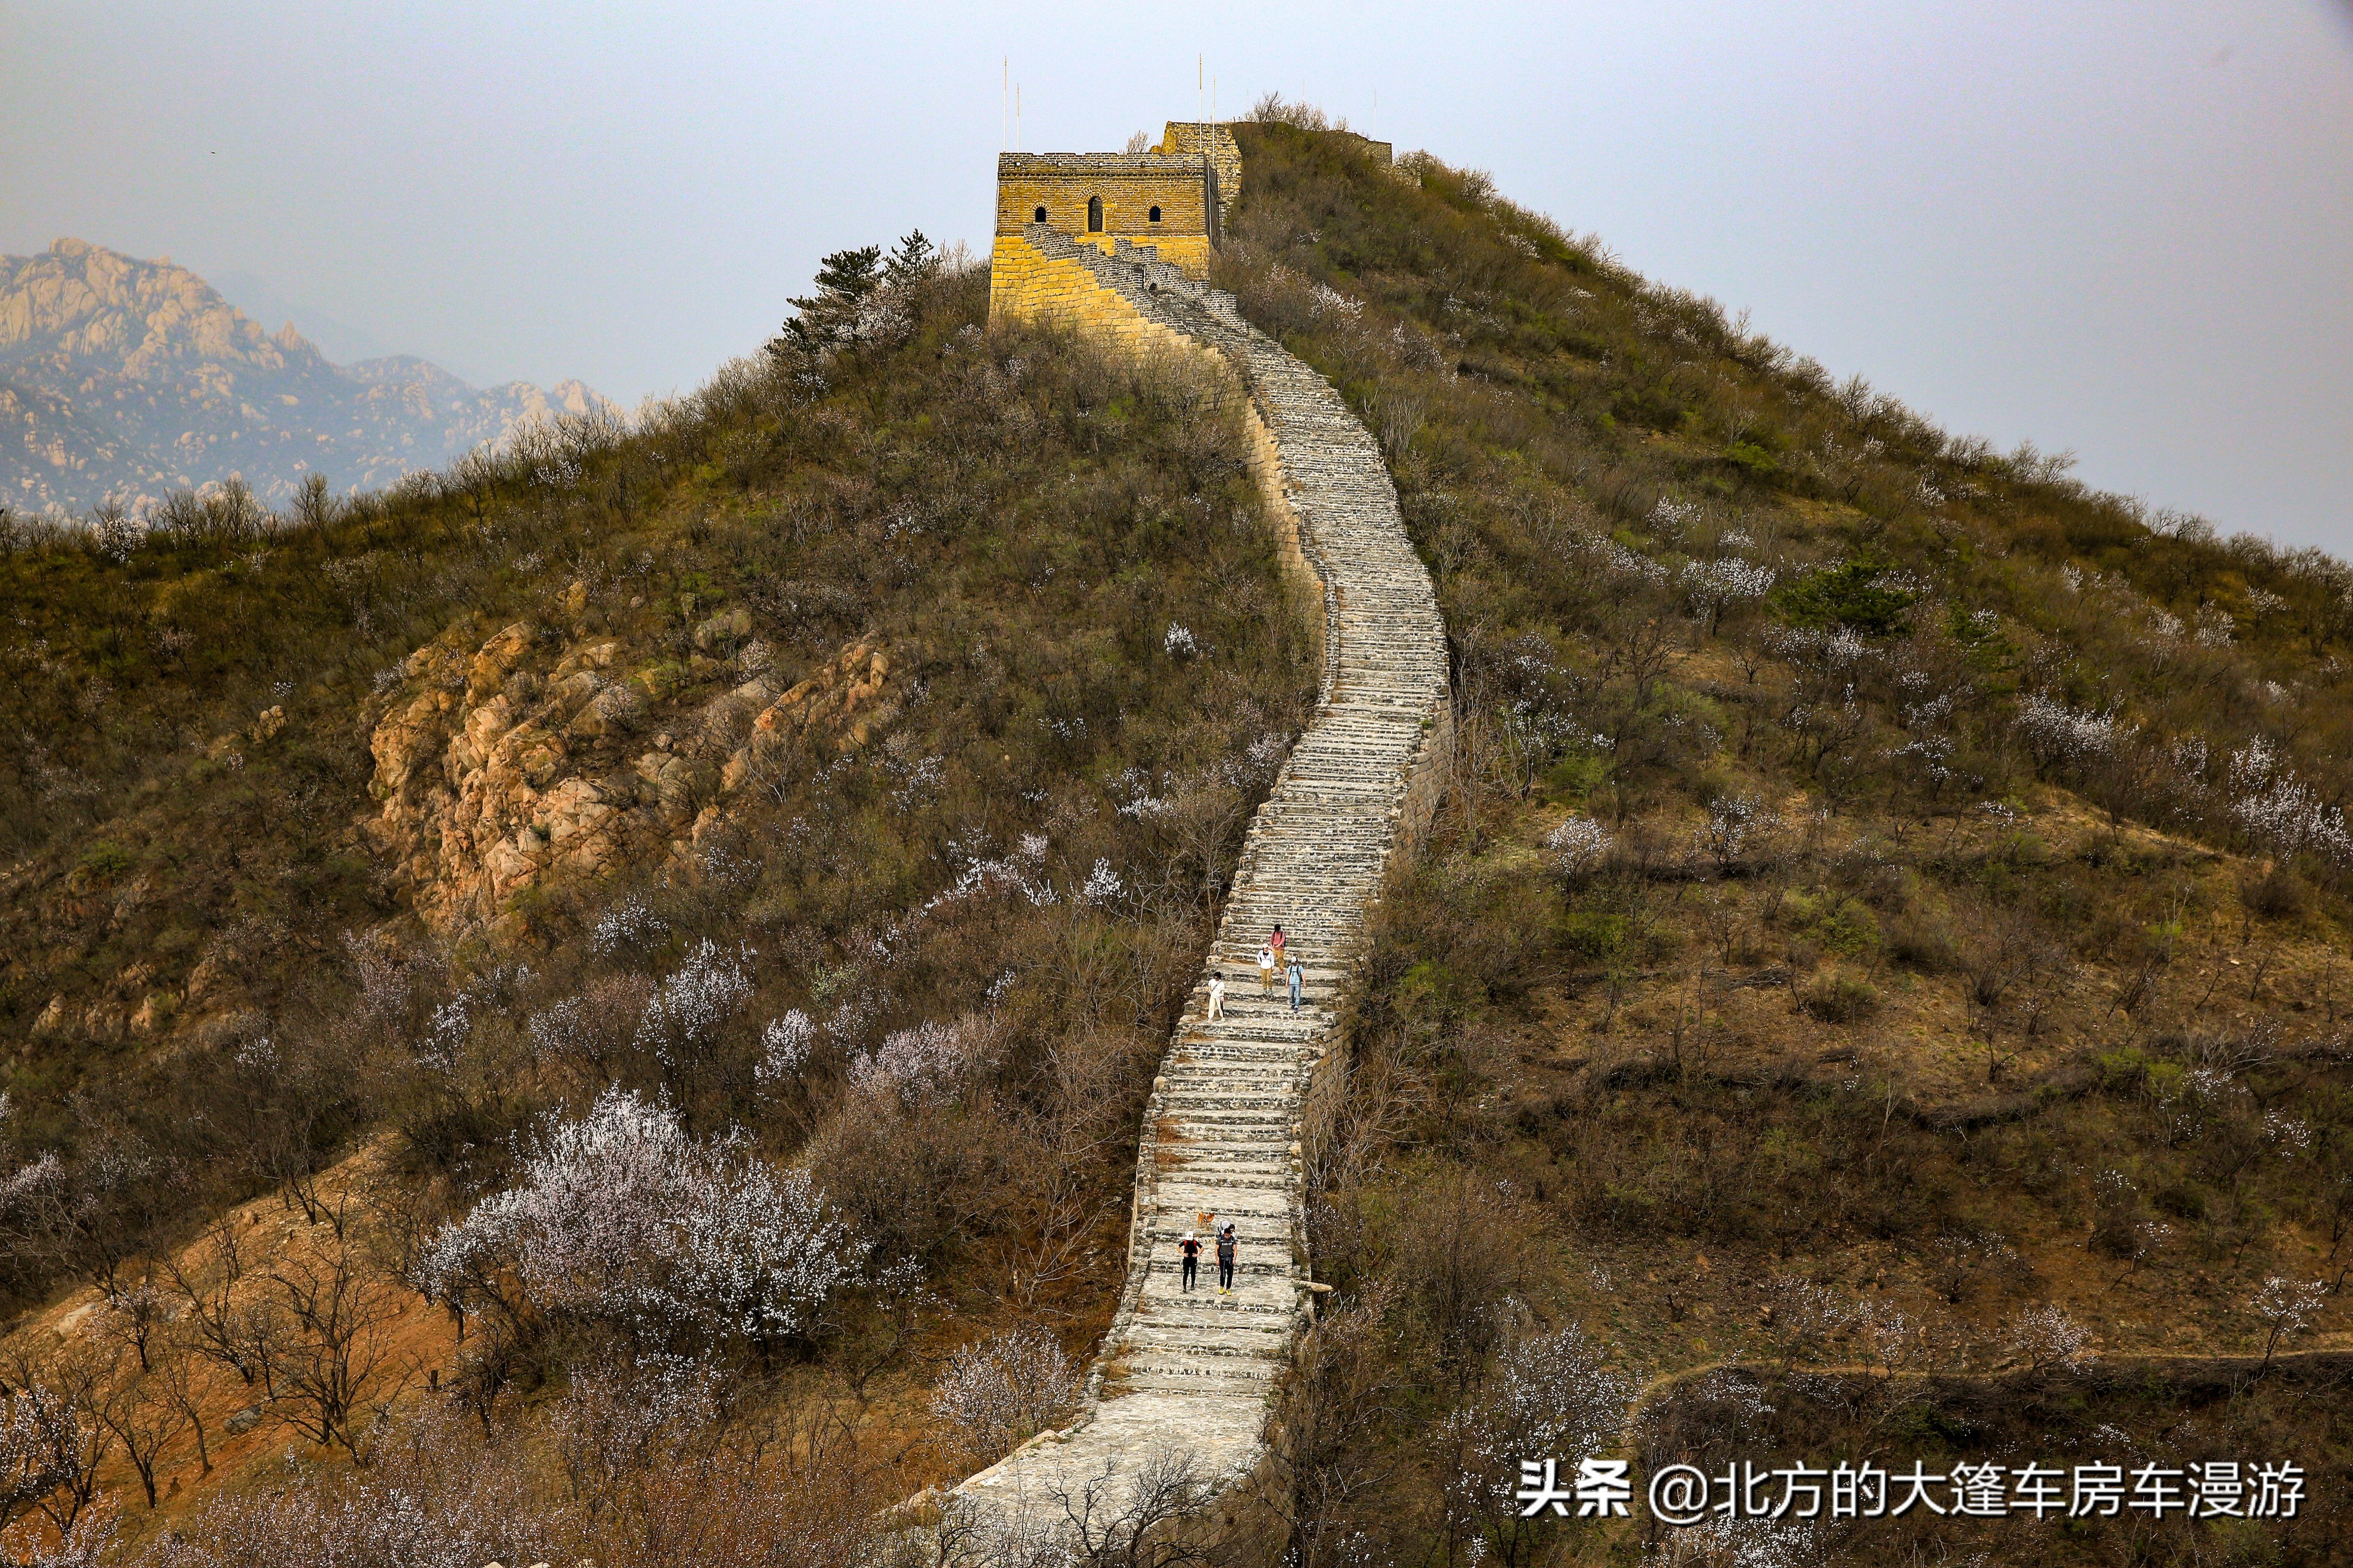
(1171, 200)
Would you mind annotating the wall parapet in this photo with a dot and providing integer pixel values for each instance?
(1238, 1099)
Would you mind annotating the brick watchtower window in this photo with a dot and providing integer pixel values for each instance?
(1039, 216)
(1155, 215)
(1094, 214)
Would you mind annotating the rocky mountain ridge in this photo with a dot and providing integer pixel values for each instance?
(121, 380)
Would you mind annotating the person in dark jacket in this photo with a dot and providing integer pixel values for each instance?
(1191, 1250)
(1226, 1261)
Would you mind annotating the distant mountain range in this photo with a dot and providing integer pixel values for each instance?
(121, 380)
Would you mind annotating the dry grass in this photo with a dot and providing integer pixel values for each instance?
(1879, 991)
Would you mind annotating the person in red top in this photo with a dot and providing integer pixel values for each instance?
(1276, 942)
(1190, 1249)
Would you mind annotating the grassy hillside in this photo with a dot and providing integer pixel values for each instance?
(837, 775)
(1877, 986)
(649, 951)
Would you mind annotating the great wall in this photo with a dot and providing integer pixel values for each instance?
(1189, 1380)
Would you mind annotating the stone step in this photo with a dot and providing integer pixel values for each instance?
(1226, 1370)
(1199, 1368)
(1241, 1337)
(1175, 1311)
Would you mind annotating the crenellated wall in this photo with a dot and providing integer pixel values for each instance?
(1100, 198)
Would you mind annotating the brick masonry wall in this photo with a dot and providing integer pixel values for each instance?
(1026, 282)
(1184, 136)
(1131, 187)
(1243, 1101)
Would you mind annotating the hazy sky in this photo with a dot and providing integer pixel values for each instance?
(2125, 228)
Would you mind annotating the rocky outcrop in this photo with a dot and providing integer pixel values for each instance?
(527, 761)
(1190, 1378)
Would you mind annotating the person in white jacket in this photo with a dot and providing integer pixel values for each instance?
(1217, 995)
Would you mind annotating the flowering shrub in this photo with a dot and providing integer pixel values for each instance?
(1734, 825)
(2280, 812)
(628, 924)
(784, 1047)
(689, 1006)
(1711, 586)
(2285, 1308)
(923, 1066)
(2058, 734)
(622, 1217)
(2044, 1337)
(1578, 845)
(1551, 1393)
(1102, 886)
(997, 1394)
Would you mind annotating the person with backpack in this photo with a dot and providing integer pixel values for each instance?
(1298, 977)
(1191, 1250)
(1266, 972)
(1226, 1261)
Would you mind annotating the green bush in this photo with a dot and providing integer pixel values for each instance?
(1852, 593)
(1839, 997)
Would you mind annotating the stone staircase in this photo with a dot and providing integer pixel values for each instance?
(1191, 1377)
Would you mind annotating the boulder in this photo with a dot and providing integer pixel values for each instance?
(723, 630)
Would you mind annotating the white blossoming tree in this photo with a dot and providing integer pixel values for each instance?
(2046, 1339)
(2285, 1308)
(998, 1393)
(1578, 847)
(624, 1218)
(1552, 1396)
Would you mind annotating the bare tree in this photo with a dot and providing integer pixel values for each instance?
(329, 1359)
(1467, 1242)
(484, 1371)
(1345, 1391)
(218, 1326)
(2005, 954)
(1803, 1319)
(1958, 1258)
(1142, 1524)
(144, 1417)
(139, 1311)
(176, 1379)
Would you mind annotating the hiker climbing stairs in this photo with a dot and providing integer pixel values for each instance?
(1189, 1377)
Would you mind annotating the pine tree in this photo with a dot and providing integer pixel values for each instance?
(915, 259)
(845, 275)
(847, 281)
(844, 279)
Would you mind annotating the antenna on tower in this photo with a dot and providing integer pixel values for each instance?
(1004, 112)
